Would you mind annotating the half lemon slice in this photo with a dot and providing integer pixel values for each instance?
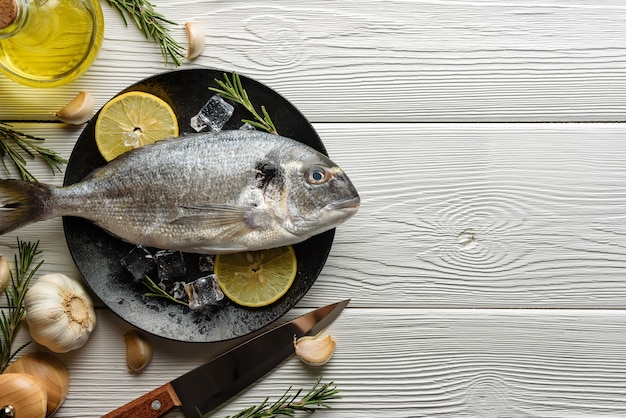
(131, 120)
(256, 278)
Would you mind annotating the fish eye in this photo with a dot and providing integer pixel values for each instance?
(318, 175)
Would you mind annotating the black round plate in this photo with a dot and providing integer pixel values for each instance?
(97, 254)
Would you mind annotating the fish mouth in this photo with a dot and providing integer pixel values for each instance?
(349, 206)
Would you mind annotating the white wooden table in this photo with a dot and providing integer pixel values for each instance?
(487, 264)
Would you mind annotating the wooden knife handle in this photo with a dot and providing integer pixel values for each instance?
(153, 404)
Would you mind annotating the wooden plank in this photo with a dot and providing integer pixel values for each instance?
(456, 215)
(400, 60)
(487, 215)
(399, 363)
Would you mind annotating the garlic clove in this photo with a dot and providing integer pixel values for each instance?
(138, 351)
(24, 393)
(5, 274)
(196, 38)
(315, 351)
(79, 110)
(59, 313)
(51, 374)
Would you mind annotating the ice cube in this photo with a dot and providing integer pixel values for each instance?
(205, 263)
(170, 264)
(204, 292)
(214, 114)
(138, 262)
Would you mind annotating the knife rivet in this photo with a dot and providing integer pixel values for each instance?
(156, 405)
(7, 411)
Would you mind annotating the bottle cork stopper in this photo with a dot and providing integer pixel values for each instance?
(8, 12)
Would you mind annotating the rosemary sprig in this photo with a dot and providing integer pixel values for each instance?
(12, 141)
(233, 90)
(288, 405)
(156, 292)
(152, 24)
(15, 293)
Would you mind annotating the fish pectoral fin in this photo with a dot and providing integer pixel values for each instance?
(230, 218)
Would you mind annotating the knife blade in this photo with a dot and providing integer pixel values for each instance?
(204, 388)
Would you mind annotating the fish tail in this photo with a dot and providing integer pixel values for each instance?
(21, 203)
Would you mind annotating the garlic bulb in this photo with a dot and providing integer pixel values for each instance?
(59, 313)
(315, 351)
(195, 34)
(5, 274)
(138, 351)
(79, 110)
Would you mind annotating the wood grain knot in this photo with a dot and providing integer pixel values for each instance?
(466, 239)
(281, 41)
(487, 397)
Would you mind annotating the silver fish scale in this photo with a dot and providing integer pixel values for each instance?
(209, 193)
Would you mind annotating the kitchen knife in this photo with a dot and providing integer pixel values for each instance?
(208, 386)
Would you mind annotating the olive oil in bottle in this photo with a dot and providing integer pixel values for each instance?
(46, 43)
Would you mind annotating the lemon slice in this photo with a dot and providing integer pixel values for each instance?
(131, 120)
(256, 278)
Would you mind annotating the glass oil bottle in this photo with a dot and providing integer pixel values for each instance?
(47, 43)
